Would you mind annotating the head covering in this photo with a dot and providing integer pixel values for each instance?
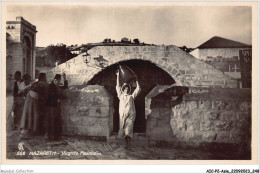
(26, 77)
(57, 77)
(124, 86)
(42, 77)
(18, 73)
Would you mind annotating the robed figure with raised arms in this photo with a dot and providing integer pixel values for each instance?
(127, 112)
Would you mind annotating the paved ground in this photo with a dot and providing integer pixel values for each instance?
(72, 148)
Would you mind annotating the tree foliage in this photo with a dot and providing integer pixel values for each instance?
(54, 53)
(186, 49)
(136, 41)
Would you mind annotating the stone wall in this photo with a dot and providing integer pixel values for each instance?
(87, 111)
(204, 115)
(185, 69)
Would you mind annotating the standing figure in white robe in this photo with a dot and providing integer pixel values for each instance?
(127, 111)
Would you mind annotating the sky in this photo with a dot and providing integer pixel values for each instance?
(168, 25)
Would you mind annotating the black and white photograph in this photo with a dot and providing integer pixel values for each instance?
(128, 81)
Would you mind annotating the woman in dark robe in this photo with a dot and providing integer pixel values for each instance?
(35, 100)
(18, 100)
(53, 107)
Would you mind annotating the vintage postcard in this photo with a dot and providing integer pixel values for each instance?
(129, 83)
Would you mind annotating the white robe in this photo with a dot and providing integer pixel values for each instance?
(127, 111)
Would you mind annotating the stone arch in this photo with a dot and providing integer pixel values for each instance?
(173, 71)
(185, 69)
(170, 69)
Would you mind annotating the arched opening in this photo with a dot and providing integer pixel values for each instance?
(27, 62)
(149, 75)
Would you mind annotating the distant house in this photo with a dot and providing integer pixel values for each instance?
(75, 49)
(218, 47)
(223, 54)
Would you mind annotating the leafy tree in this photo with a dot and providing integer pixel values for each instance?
(186, 49)
(136, 41)
(52, 54)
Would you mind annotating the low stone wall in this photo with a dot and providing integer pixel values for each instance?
(204, 115)
(87, 111)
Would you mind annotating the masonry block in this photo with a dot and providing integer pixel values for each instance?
(242, 116)
(237, 137)
(223, 125)
(228, 115)
(223, 136)
(192, 105)
(209, 136)
(193, 125)
(244, 106)
(218, 105)
(212, 115)
(151, 123)
(206, 125)
(160, 133)
(205, 105)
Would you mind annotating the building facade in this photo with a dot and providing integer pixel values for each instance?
(20, 47)
(223, 54)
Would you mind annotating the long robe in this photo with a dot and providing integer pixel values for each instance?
(53, 116)
(34, 102)
(127, 111)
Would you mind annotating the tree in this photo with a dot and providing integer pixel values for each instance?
(186, 49)
(59, 53)
(136, 41)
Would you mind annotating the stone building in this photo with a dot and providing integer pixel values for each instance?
(20, 47)
(184, 101)
(223, 54)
